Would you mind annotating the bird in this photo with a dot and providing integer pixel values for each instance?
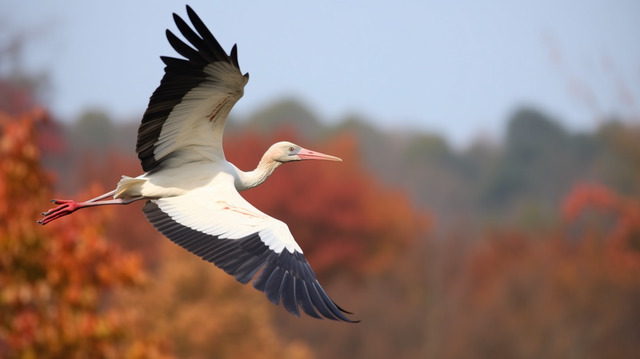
(191, 190)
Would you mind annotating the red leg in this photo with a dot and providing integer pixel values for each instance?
(67, 207)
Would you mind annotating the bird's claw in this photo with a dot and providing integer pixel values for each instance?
(65, 207)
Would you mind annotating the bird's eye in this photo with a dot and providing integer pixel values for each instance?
(291, 149)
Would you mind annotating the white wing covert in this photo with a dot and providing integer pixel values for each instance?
(217, 224)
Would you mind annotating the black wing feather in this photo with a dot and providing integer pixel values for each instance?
(193, 38)
(302, 297)
(288, 294)
(285, 277)
(185, 50)
(207, 36)
(234, 55)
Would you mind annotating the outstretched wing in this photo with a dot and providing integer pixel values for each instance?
(185, 119)
(217, 224)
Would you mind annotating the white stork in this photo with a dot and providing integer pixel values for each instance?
(192, 191)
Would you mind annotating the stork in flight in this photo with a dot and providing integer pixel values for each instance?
(192, 191)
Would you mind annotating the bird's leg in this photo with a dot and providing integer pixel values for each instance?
(67, 206)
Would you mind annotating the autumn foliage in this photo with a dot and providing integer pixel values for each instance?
(619, 222)
(103, 283)
(571, 291)
(55, 283)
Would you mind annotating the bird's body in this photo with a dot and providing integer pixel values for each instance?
(192, 191)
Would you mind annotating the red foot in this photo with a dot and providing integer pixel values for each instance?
(66, 206)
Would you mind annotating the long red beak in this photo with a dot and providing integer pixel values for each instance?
(306, 154)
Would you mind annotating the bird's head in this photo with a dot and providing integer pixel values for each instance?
(286, 152)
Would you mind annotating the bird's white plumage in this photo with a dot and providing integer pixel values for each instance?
(219, 210)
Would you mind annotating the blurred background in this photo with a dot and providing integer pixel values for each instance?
(488, 204)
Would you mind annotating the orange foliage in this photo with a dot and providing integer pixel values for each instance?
(343, 218)
(54, 280)
(621, 235)
(570, 292)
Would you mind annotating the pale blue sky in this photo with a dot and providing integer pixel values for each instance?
(456, 67)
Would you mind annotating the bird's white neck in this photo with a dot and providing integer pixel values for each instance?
(246, 180)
